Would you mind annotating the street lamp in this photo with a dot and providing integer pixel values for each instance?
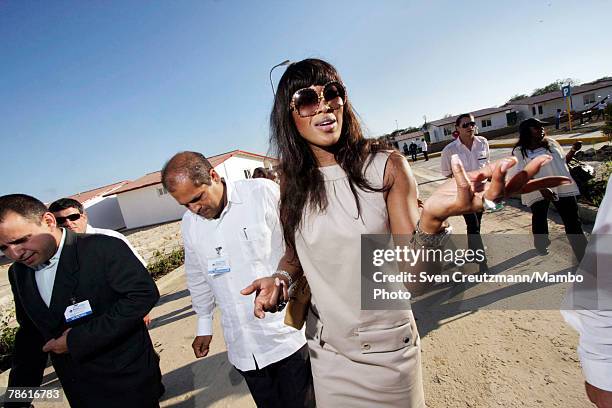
(285, 62)
(396, 125)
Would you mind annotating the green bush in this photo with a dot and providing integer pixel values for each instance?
(7, 341)
(597, 186)
(164, 263)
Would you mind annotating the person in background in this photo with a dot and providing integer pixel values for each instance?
(70, 214)
(406, 150)
(533, 143)
(413, 151)
(558, 119)
(261, 172)
(474, 154)
(232, 236)
(424, 149)
(81, 300)
(601, 110)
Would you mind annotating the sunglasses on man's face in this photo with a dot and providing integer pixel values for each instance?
(468, 124)
(71, 217)
(305, 102)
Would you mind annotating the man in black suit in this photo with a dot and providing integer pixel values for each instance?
(81, 299)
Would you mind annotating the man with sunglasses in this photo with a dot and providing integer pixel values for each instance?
(474, 154)
(70, 214)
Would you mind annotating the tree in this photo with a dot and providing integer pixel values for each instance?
(517, 97)
(555, 86)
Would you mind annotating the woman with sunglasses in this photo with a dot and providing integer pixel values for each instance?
(335, 186)
(532, 143)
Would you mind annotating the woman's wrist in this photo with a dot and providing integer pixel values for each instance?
(431, 225)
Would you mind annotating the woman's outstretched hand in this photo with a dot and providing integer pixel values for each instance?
(465, 193)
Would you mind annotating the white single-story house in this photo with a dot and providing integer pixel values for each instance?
(486, 120)
(583, 97)
(146, 202)
(102, 206)
(400, 138)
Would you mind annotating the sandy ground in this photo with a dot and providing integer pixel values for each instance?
(481, 358)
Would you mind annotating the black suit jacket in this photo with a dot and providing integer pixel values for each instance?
(110, 355)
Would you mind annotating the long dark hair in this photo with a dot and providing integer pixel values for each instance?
(301, 180)
(525, 139)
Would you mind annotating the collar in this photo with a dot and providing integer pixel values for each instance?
(55, 258)
(232, 193)
(474, 142)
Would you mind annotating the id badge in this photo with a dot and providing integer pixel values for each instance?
(218, 266)
(77, 311)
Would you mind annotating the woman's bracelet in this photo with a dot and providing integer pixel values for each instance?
(286, 275)
(423, 239)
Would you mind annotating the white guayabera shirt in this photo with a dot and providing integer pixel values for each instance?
(595, 326)
(473, 159)
(247, 240)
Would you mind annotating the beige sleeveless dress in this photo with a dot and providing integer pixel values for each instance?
(359, 358)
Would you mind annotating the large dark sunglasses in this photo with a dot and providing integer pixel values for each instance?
(71, 217)
(468, 124)
(305, 102)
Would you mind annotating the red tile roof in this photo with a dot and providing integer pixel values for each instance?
(98, 192)
(155, 177)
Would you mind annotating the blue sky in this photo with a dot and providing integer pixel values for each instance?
(93, 92)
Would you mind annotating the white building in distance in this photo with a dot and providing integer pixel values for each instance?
(145, 201)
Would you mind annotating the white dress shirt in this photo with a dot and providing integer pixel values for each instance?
(473, 159)
(112, 233)
(247, 234)
(595, 326)
(45, 273)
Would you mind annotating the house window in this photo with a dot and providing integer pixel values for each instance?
(540, 110)
(247, 174)
(588, 99)
(448, 131)
(162, 191)
(485, 123)
(533, 110)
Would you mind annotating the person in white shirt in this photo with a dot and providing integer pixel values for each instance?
(424, 149)
(474, 154)
(533, 143)
(232, 236)
(69, 213)
(601, 110)
(589, 308)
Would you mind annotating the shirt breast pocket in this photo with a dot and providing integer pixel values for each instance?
(255, 242)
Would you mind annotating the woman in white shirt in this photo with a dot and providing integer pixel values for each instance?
(532, 143)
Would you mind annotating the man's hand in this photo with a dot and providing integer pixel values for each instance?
(601, 398)
(59, 345)
(200, 345)
(267, 292)
(147, 320)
